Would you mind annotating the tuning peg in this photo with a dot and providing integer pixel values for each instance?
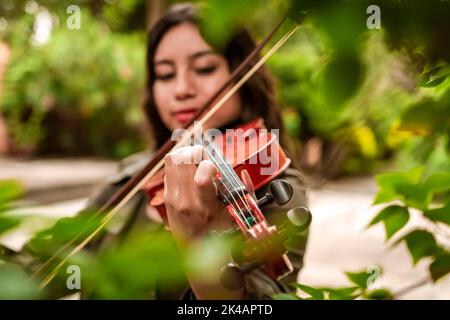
(300, 218)
(280, 192)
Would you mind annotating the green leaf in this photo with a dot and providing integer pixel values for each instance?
(385, 195)
(391, 184)
(315, 293)
(343, 293)
(379, 294)
(416, 196)
(407, 187)
(359, 278)
(341, 79)
(441, 214)
(394, 218)
(9, 190)
(438, 182)
(421, 244)
(391, 179)
(16, 285)
(147, 257)
(297, 10)
(440, 266)
(8, 223)
(219, 19)
(47, 241)
(427, 118)
(435, 76)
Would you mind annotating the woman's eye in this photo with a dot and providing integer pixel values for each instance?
(205, 70)
(164, 77)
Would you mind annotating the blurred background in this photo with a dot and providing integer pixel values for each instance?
(365, 95)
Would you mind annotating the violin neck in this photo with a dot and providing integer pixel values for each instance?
(227, 174)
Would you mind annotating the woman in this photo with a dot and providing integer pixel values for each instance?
(183, 72)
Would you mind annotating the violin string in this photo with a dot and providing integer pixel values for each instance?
(244, 201)
(243, 197)
(225, 168)
(215, 155)
(238, 181)
(241, 213)
(155, 169)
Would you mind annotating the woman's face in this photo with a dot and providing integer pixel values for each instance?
(187, 73)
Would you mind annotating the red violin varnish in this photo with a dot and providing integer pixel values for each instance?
(253, 148)
(243, 157)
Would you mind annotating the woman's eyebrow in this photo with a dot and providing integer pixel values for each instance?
(191, 57)
(164, 61)
(202, 53)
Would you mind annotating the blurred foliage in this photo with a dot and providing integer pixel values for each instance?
(328, 85)
(372, 94)
(79, 93)
(349, 85)
(360, 288)
(10, 190)
(122, 16)
(15, 285)
(367, 95)
(430, 196)
(129, 267)
(12, 276)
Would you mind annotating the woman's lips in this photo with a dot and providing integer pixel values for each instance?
(184, 116)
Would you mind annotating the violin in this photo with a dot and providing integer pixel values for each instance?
(249, 147)
(265, 245)
(253, 148)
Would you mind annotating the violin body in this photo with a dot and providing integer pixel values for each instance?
(253, 148)
(258, 144)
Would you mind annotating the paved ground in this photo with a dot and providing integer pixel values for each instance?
(56, 180)
(339, 240)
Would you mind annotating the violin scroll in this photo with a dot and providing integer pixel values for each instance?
(232, 275)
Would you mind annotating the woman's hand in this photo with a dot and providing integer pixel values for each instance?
(190, 195)
(193, 209)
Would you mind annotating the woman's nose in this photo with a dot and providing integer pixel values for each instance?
(185, 86)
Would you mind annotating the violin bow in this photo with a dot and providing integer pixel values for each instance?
(125, 193)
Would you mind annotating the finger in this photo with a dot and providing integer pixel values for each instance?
(179, 156)
(178, 176)
(188, 155)
(185, 169)
(198, 154)
(169, 178)
(204, 181)
(247, 181)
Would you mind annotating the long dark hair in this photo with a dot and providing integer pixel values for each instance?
(257, 94)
